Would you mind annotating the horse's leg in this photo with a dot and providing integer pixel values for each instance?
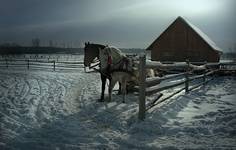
(103, 78)
(123, 90)
(119, 91)
(127, 88)
(111, 86)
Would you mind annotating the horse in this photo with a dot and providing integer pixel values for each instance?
(127, 80)
(111, 59)
(124, 78)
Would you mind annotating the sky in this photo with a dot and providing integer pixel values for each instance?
(122, 23)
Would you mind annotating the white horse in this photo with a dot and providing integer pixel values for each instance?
(124, 77)
(111, 59)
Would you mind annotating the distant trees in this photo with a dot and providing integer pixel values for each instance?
(232, 49)
(10, 44)
(36, 42)
(51, 43)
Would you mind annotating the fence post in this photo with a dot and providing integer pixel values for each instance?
(28, 63)
(204, 75)
(6, 62)
(54, 65)
(187, 77)
(142, 87)
(204, 78)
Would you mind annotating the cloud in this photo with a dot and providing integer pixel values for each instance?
(133, 23)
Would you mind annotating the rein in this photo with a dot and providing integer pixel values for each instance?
(121, 65)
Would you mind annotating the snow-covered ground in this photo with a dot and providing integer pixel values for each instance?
(42, 109)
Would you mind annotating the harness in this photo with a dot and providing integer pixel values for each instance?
(122, 64)
(114, 61)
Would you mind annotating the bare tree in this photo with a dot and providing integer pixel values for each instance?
(50, 43)
(36, 42)
(234, 51)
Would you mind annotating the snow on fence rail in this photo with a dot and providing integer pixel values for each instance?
(42, 64)
(152, 86)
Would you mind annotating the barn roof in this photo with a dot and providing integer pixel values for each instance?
(197, 30)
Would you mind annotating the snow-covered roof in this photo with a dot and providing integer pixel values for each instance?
(202, 35)
(198, 31)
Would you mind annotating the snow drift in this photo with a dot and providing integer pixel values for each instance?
(59, 110)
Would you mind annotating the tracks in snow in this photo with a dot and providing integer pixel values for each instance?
(31, 99)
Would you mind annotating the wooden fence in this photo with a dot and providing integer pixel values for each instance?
(152, 86)
(42, 64)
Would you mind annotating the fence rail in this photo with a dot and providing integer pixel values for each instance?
(153, 86)
(45, 64)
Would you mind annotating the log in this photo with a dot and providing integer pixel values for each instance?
(155, 89)
(156, 80)
(164, 99)
(142, 87)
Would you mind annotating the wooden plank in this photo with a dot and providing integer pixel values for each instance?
(228, 63)
(164, 99)
(39, 61)
(70, 66)
(54, 65)
(154, 99)
(155, 64)
(71, 62)
(196, 77)
(202, 75)
(155, 89)
(6, 63)
(142, 87)
(16, 64)
(187, 76)
(186, 82)
(199, 84)
(28, 64)
(172, 76)
(210, 72)
(156, 80)
(212, 64)
(153, 81)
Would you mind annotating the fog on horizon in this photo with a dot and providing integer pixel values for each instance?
(126, 24)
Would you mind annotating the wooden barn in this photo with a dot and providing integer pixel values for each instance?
(182, 40)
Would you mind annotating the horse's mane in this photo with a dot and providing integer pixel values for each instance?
(98, 45)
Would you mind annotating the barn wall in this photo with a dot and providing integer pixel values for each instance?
(180, 42)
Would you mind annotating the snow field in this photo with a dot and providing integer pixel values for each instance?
(59, 110)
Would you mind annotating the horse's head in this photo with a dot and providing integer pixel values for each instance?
(91, 51)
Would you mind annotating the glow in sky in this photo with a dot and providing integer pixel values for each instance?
(123, 23)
